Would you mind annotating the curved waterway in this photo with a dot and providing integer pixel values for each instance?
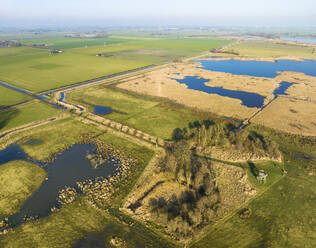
(247, 98)
(66, 170)
(259, 68)
(62, 98)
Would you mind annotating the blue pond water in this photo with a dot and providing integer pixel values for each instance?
(301, 39)
(68, 168)
(247, 98)
(259, 68)
(101, 110)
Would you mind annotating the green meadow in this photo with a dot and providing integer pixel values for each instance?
(38, 70)
(25, 114)
(137, 111)
(62, 43)
(18, 181)
(272, 49)
(10, 97)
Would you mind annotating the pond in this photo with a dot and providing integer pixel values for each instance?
(259, 68)
(66, 170)
(248, 99)
(301, 39)
(101, 110)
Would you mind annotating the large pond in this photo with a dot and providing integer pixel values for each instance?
(301, 39)
(259, 68)
(247, 98)
(66, 170)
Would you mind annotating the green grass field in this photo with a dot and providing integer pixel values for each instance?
(20, 51)
(10, 97)
(62, 43)
(39, 71)
(18, 181)
(138, 112)
(24, 114)
(270, 49)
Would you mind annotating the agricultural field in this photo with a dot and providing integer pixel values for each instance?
(10, 97)
(62, 43)
(40, 71)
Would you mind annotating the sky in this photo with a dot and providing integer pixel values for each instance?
(159, 12)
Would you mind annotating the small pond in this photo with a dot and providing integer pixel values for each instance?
(101, 110)
(259, 68)
(68, 168)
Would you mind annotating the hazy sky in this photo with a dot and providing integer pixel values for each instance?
(164, 12)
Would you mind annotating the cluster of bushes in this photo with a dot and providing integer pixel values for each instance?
(195, 206)
(226, 134)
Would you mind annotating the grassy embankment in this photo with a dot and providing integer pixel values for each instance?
(18, 181)
(74, 221)
(271, 49)
(153, 116)
(283, 213)
(10, 97)
(39, 71)
(24, 114)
